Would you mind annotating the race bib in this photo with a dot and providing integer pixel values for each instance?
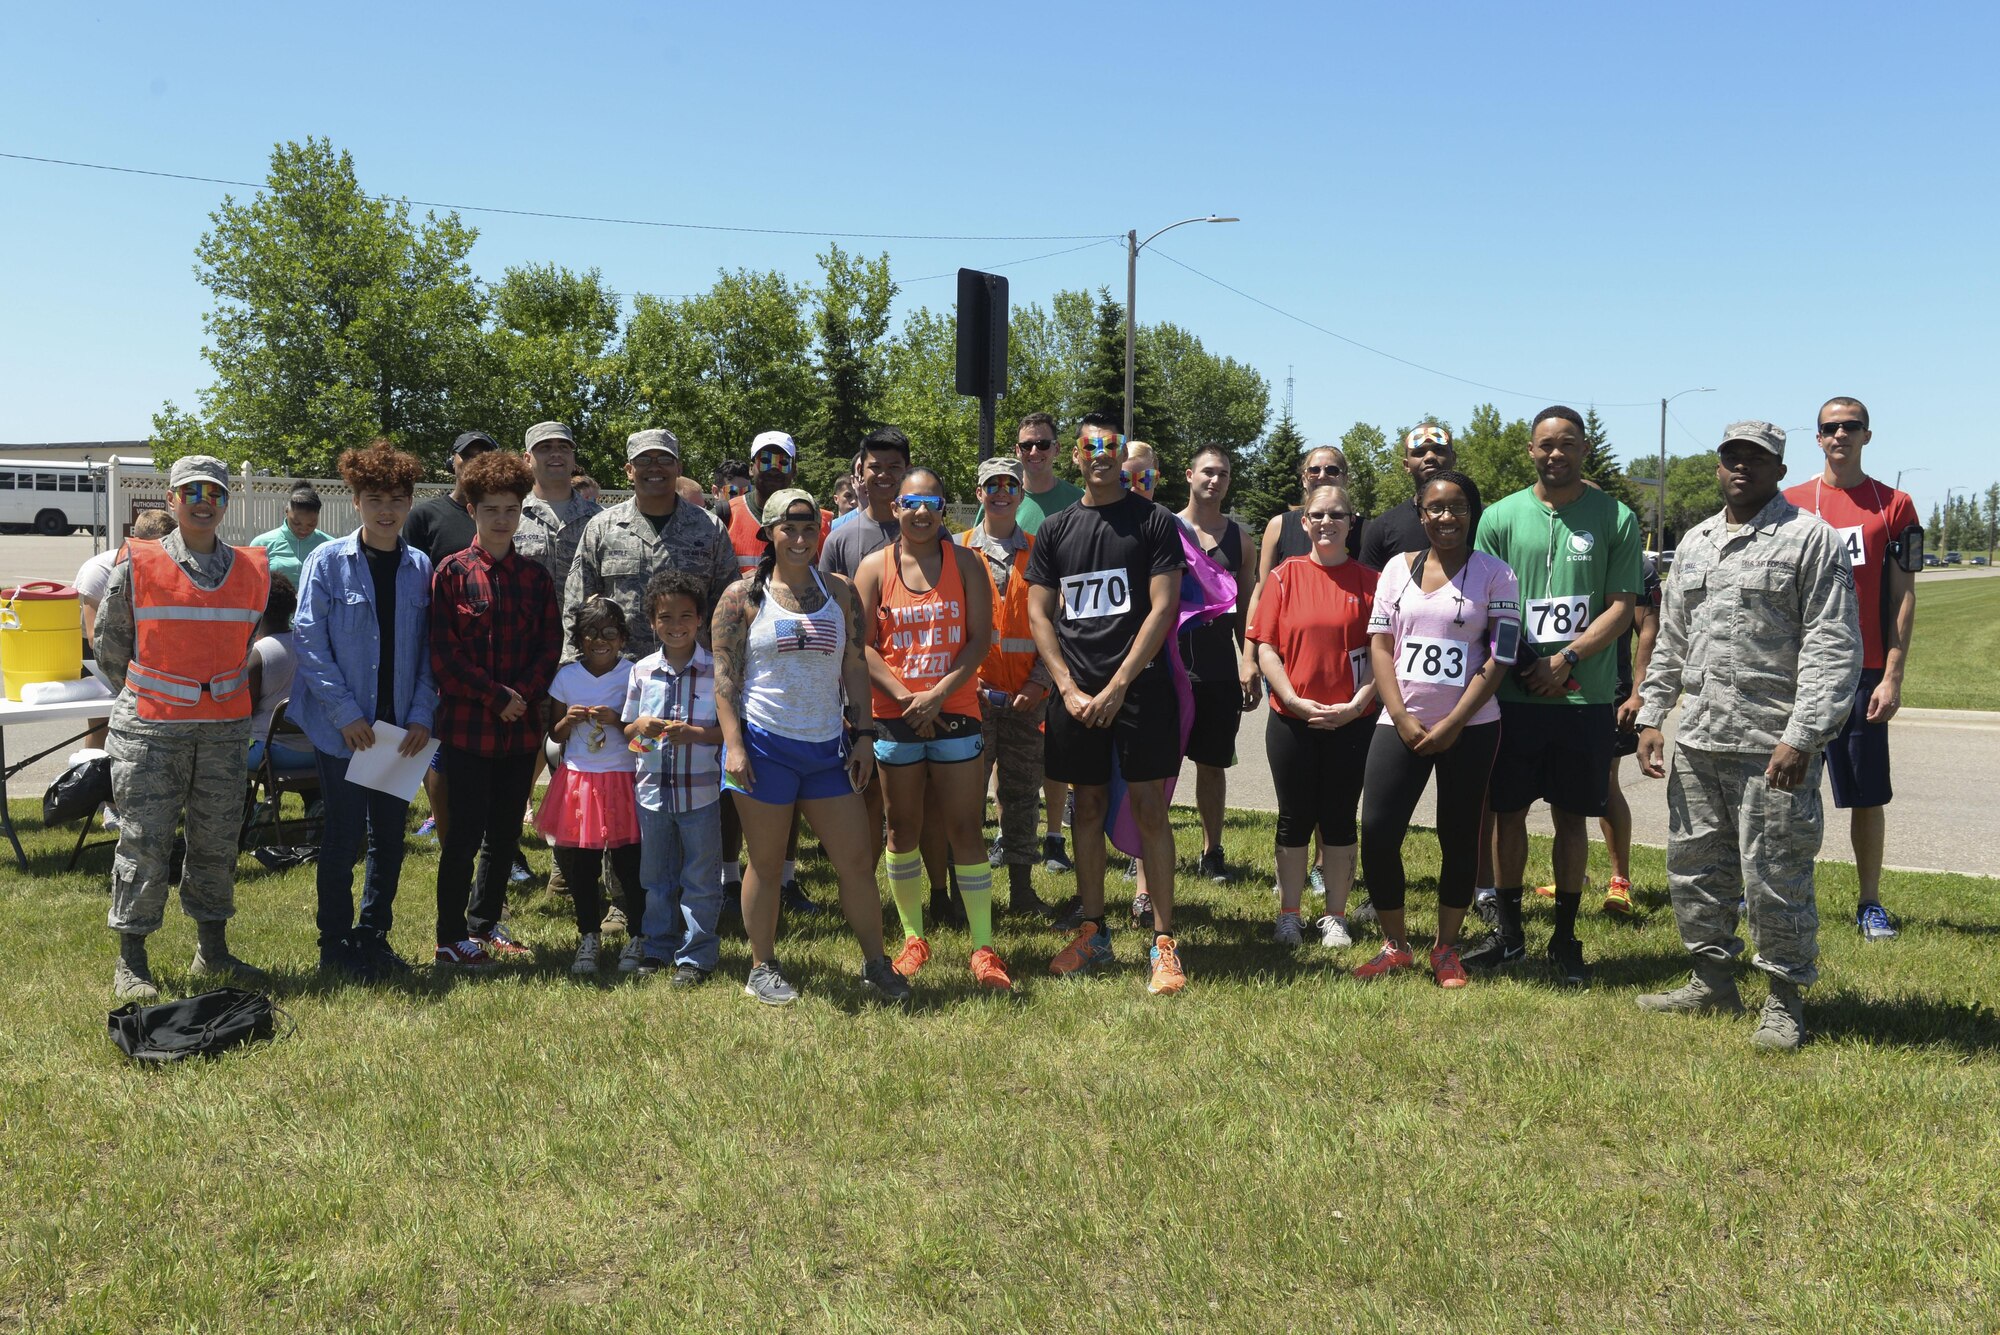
(1101, 593)
(1556, 620)
(1362, 669)
(1433, 662)
(1856, 545)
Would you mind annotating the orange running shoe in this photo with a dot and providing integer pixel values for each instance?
(915, 952)
(1087, 951)
(1389, 959)
(989, 970)
(1546, 891)
(1446, 968)
(1618, 897)
(1168, 976)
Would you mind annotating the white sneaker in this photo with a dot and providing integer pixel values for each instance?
(1287, 932)
(107, 819)
(1333, 933)
(586, 956)
(628, 958)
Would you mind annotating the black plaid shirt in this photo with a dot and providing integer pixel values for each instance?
(494, 625)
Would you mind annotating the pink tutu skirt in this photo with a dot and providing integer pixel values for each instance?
(584, 809)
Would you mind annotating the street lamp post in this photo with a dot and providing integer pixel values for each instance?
(1660, 496)
(1133, 245)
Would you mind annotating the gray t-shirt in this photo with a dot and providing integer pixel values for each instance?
(847, 545)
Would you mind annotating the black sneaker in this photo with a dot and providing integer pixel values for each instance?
(1213, 867)
(767, 984)
(732, 899)
(1053, 857)
(881, 978)
(792, 899)
(1493, 950)
(1072, 918)
(381, 960)
(649, 965)
(687, 975)
(1566, 958)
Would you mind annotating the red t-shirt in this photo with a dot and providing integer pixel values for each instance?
(1867, 517)
(1316, 617)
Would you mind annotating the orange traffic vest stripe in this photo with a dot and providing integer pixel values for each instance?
(191, 650)
(1012, 656)
(746, 535)
(920, 635)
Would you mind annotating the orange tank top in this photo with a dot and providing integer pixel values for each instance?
(919, 635)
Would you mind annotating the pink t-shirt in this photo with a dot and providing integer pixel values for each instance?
(1443, 638)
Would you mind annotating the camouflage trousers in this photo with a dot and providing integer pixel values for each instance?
(155, 782)
(1014, 748)
(1730, 835)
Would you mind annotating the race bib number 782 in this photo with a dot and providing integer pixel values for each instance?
(1101, 593)
(1556, 620)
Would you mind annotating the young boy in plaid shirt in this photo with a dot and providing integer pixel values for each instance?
(496, 633)
(670, 719)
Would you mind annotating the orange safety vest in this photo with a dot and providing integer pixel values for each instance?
(191, 650)
(746, 535)
(919, 635)
(1012, 656)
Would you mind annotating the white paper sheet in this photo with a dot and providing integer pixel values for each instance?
(381, 768)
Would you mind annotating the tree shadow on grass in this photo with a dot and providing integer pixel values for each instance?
(1905, 1021)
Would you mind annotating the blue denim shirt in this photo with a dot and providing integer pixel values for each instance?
(338, 645)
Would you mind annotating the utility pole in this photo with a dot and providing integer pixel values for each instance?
(1660, 497)
(1133, 245)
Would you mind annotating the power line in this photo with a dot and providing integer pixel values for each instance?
(1355, 342)
(1684, 430)
(570, 217)
(1030, 259)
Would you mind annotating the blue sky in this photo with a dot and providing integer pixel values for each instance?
(1586, 203)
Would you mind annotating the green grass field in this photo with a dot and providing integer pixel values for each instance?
(1280, 1148)
(1956, 646)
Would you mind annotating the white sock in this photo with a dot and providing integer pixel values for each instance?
(1484, 892)
(791, 871)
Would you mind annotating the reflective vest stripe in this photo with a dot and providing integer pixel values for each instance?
(162, 685)
(195, 614)
(1012, 646)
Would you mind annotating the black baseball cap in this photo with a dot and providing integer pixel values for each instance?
(468, 439)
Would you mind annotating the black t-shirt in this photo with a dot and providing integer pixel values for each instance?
(1399, 531)
(1100, 560)
(1209, 650)
(439, 527)
(1293, 540)
(382, 573)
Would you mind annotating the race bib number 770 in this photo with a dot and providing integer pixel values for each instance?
(1101, 593)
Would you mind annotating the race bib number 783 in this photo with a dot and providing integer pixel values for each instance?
(1431, 661)
(1101, 593)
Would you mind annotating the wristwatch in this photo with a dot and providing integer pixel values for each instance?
(864, 732)
(1569, 657)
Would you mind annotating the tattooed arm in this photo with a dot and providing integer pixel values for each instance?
(854, 678)
(729, 631)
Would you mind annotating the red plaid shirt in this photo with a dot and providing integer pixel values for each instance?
(494, 625)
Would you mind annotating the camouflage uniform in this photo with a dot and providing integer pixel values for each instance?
(162, 771)
(619, 552)
(1013, 740)
(1759, 628)
(549, 533)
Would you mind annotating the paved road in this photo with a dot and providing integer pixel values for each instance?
(1942, 755)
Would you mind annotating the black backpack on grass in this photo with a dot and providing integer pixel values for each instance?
(191, 1026)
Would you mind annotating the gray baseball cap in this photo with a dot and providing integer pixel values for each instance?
(542, 431)
(197, 468)
(645, 442)
(1770, 437)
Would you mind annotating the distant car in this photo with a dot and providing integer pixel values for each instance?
(1666, 560)
(1979, 560)
(1953, 558)
(1931, 559)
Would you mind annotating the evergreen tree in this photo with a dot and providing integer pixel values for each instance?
(1104, 380)
(1601, 466)
(1268, 480)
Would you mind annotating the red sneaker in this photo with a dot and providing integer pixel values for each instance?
(501, 946)
(988, 970)
(913, 956)
(1389, 959)
(1445, 967)
(466, 954)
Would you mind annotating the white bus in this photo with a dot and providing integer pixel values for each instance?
(51, 496)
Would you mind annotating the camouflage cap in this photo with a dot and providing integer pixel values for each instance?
(781, 502)
(197, 468)
(998, 466)
(655, 438)
(543, 431)
(1770, 437)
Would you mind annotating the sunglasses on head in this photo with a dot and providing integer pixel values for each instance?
(1000, 486)
(198, 493)
(921, 502)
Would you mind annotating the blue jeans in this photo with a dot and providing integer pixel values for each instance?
(357, 817)
(680, 858)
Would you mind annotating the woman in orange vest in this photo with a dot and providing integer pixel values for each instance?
(927, 613)
(173, 634)
(1013, 684)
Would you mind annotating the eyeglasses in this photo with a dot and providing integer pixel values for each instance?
(921, 502)
(1034, 446)
(1326, 470)
(1423, 436)
(1000, 486)
(1851, 427)
(200, 493)
(1327, 516)
(1449, 510)
(1102, 445)
(1143, 479)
